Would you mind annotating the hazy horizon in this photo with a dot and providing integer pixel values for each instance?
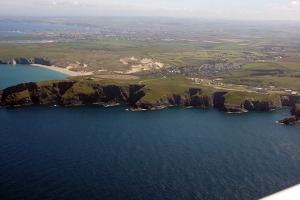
(214, 9)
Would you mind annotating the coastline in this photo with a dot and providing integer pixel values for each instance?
(63, 70)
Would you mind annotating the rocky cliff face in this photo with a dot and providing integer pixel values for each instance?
(26, 61)
(252, 105)
(191, 98)
(188, 98)
(70, 93)
(293, 101)
(289, 100)
(296, 110)
(1, 92)
(247, 104)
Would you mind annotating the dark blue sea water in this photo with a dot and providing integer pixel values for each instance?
(11, 33)
(14, 29)
(15, 74)
(108, 153)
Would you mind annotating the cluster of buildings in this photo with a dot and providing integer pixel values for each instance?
(272, 88)
(207, 70)
(255, 89)
(71, 36)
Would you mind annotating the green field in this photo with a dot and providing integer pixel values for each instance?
(175, 44)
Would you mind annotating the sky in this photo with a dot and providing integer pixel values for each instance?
(211, 9)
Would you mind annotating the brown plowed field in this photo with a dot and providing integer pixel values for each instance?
(289, 60)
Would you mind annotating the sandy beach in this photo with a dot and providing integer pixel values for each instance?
(64, 70)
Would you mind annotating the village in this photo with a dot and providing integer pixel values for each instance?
(217, 84)
(207, 70)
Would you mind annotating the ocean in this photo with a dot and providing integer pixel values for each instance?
(34, 26)
(15, 74)
(92, 152)
(13, 29)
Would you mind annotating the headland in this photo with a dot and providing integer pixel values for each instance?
(159, 94)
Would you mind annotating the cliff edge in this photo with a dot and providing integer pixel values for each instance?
(137, 96)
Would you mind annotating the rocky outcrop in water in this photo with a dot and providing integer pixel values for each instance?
(289, 120)
(294, 102)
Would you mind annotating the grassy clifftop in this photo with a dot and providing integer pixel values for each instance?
(143, 93)
(236, 97)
